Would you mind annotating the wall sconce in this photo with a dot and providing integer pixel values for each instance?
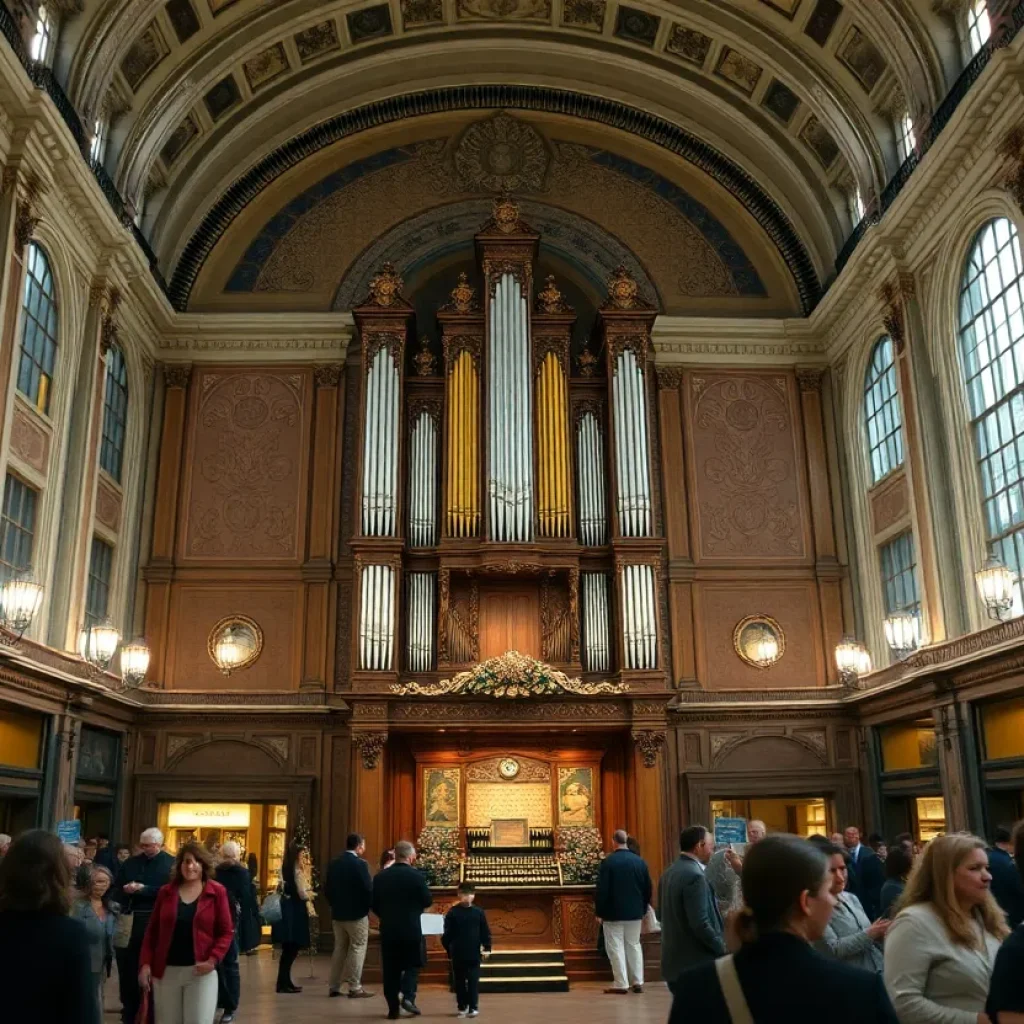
(235, 643)
(97, 644)
(759, 641)
(20, 598)
(134, 664)
(852, 660)
(995, 588)
(903, 633)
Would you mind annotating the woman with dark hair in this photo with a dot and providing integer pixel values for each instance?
(292, 931)
(776, 975)
(189, 932)
(898, 865)
(256, 925)
(95, 910)
(387, 858)
(122, 851)
(45, 969)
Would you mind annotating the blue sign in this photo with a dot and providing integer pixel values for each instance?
(730, 830)
(69, 831)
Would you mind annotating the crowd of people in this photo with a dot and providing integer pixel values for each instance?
(782, 928)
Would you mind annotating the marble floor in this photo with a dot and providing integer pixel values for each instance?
(261, 1005)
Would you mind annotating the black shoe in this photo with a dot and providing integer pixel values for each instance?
(335, 994)
(410, 1007)
(288, 989)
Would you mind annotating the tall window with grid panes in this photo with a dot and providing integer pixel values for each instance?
(17, 527)
(97, 596)
(115, 413)
(883, 420)
(38, 330)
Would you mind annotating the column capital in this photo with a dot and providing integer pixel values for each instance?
(327, 376)
(177, 375)
(370, 746)
(649, 743)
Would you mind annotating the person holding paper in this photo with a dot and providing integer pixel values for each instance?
(466, 936)
(621, 901)
(400, 895)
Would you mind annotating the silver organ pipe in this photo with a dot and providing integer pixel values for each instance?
(510, 406)
(423, 482)
(590, 462)
(629, 413)
(639, 617)
(595, 621)
(420, 627)
(377, 618)
(380, 446)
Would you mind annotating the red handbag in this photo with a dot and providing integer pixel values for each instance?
(142, 1017)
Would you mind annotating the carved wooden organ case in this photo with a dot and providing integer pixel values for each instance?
(503, 500)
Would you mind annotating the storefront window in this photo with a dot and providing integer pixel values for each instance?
(1003, 728)
(802, 816)
(931, 817)
(908, 746)
(21, 738)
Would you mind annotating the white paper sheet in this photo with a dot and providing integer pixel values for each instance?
(432, 924)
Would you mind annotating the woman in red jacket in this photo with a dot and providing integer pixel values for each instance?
(189, 932)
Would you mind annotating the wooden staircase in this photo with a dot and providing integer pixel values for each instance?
(524, 970)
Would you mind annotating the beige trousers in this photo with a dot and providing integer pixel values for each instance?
(183, 997)
(350, 938)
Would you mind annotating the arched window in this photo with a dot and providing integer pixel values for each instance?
(44, 36)
(992, 357)
(882, 416)
(39, 330)
(115, 413)
(906, 137)
(979, 28)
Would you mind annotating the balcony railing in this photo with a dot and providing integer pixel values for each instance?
(42, 77)
(1003, 32)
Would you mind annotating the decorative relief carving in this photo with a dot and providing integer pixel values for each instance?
(549, 298)
(549, 343)
(809, 379)
(443, 609)
(177, 375)
(691, 748)
(649, 742)
(586, 361)
(176, 744)
(582, 924)
(519, 917)
(530, 770)
(744, 456)
(719, 740)
(248, 453)
(486, 801)
(108, 505)
(279, 744)
(424, 360)
(669, 377)
(556, 921)
(623, 292)
(532, 712)
(501, 154)
(574, 616)
(374, 341)
(30, 442)
(370, 711)
(26, 219)
(454, 344)
(463, 297)
(385, 287)
(890, 504)
(430, 406)
(327, 376)
(815, 739)
(370, 746)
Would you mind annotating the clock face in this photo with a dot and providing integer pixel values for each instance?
(508, 767)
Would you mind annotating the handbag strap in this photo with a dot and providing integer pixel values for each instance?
(732, 990)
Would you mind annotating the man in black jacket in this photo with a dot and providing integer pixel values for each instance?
(237, 881)
(138, 882)
(1006, 881)
(621, 901)
(349, 891)
(400, 895)
(866, 874)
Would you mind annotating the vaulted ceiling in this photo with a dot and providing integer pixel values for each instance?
(795, 99)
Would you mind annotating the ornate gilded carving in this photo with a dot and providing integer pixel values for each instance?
(463, 298)
(501, 154)
(623, 292)
(327, 376)
(545, 343)
(362, 710)
(443, 608)
(546, 711)
(636, 342)
(586, 361)
(649, 742)
(582, 923)
(529, 771)
(506, 214)
(510, 677)
(25, 218)
(592, 406)
(549, 298)
(669, 377)
(246, 647)
(177, 375)
(374, 341)
(456, 343)
(574, 616)
(556, 921)
(754, 639)
(385, 286)
(420, 405)
(424, 360)
(495, 269)
(370, 746)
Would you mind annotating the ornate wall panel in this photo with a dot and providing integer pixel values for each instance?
(719, 607)
(245, 488)
(890, 503)
(30, 441)
(746, 471)
(108, 504)
(195, 608)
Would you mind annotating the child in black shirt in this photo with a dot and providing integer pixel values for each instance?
(465, 935)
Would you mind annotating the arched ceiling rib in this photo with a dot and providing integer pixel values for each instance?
(799, 94)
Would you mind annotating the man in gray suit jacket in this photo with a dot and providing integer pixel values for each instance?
(691, 925)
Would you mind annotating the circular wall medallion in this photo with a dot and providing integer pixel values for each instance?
(235, 643)
(759, 641)
(508, 767)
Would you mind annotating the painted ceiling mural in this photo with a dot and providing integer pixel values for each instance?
(311, 243)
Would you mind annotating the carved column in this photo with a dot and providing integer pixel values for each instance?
(320, 591)
(160, 571)
(370, 801)
(18, 220)
(677, 526)
(952, 768)
(903, 323)
(645, 776)
(826, 564)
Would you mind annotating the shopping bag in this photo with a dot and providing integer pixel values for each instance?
(271, 909)
(650, 924)
(123, 930)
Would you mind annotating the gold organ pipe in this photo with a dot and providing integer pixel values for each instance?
(460, 441)
(463, 446)
(474, 445)
(552, 430)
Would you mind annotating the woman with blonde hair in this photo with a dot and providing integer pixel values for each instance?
(943, 942)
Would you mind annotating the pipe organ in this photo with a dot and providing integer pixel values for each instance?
(521, 485)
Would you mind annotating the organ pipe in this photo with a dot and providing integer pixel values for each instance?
(510, 421)
(552, 449)
(629, 412)
(420, 626)
(423, 482)
(380, 446)
(377, 618)
(463, 487)
(639, 619)
(590, 468)
(595, 621)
